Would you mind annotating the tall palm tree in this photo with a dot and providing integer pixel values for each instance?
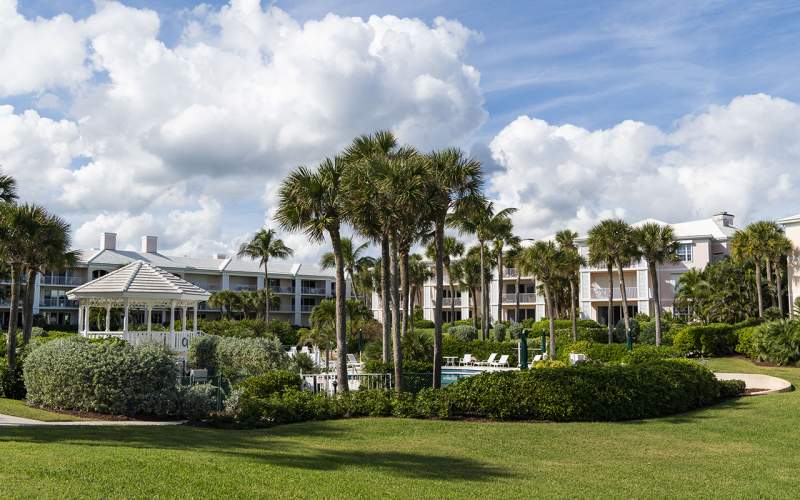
(467, 274)
(656, 244)
(263, 246)
(479, 218)
(453, 178)
(224, 301)
(545, 261)
(8, 189)
(600, 254)
(418, 274)
(753, 243)
(612, 241)
(313, 202)
(355, 262)
(453, 249)
(572, 262)
(780, 248)
(502, 235)
(323, 328)
(693, 291)
(357, 313)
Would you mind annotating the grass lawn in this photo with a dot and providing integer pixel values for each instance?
(18, 408)
(740, 449)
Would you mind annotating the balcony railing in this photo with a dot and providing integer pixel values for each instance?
(57, 302)
(450, 302)
(524, 298)
(603, 292)
(509, 272)
(244, 288)
(307, 307)
(285, 289)
(63, 280)
(313, 291)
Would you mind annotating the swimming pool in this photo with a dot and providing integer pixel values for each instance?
(453, 374)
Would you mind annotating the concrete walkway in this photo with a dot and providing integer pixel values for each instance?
(767, 383)
(9, 421)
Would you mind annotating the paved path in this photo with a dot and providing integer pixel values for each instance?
(9, 421)
(767, 383)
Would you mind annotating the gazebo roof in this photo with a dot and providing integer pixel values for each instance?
(140, 280)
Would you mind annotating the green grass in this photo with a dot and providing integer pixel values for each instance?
(18, 408)
(740, 449)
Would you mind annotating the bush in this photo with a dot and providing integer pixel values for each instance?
(746, 342)
(237, 358)
(12, 385)
(514, 329)
(537, 328)
(499, 332)
(464, 333)
(778, 342)
(203, 352)
(423, 323)
(549, 363)
(731, 388)
(266, 384)
(714, 339)
(283, 330)
(647, 353)
(302, 363)
(112, 377)
(198, 401)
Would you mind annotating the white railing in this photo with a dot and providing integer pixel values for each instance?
(285, 289)
(177, 341)
(450, 302)
(327, 383)
(63, 280)
(57, 302)
(510, 272)
(603, 292)
(313, 291)
(524, 298)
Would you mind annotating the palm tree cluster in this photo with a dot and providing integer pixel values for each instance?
(263, 246)
(244, 304)
(31, 240)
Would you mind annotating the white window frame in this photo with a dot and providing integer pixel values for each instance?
(688, 250)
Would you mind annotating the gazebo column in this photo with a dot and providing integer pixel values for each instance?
(149, 309)
(184, 317)
(125, 321)
(194, 320)
(80, 318)
(172, 317)
(108, 318)
(87, 309)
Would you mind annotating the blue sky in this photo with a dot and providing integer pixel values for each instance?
(589, 63)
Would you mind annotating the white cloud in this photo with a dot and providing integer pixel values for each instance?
(741, 157)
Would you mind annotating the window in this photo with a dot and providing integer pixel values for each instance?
(685, 252)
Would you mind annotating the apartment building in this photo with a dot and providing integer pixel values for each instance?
(792, 227)
(700, 242)
(299, 286)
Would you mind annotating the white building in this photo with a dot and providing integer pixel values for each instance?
(792, 227)
(299, 286)
(700, 242)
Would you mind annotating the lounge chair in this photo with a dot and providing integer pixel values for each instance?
(467, 360)
(502, 362)
(352, 362)
(489, 361)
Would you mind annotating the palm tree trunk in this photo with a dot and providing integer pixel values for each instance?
(341, 318)
(484, 309)
(779, 285)
(551, 321)
(657, 300)
(452, 299)
(610, 319)
(27, 307)
(267, 289)
(396, 339)
(404, 289)
(758, 289)
(11, 338)
(770, 290)
(411, 300)
(473, 299)
(385, 297)
(516, 296)
(572, 310)
(437, 303)
(624, 299)
(500, 285)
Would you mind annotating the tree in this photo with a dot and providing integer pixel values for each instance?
(502, 235)
(694, 292)
(323, 328)
(418, 273)
(453, 179)
(355, 262)
(656, 244)
(779, 248)
(479, 218)
(467, 273)
(313, 202)
(225, 300)
(357, 313)
(545, 262)
(264, 246)
(8, 189)
(753, 244)
(452, 250)
(572, 262)
(610, 242)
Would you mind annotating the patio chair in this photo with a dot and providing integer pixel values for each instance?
(352, 362)
(467, 360)
(502, 362)
(489, 361)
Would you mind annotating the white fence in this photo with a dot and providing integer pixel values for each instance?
(177, 341)
(327, 383)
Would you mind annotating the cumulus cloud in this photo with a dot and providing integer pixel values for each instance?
(741, 157)
(245, 94)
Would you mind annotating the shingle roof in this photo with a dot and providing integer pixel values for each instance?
(141, 280)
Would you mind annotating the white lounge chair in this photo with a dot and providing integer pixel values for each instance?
(352, 362)
(489, 361)
(467, 360)
(502, 362)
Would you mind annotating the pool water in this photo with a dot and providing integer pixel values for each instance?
(454, 374)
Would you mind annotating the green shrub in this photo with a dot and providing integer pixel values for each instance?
(203, 352)
(365, 403)
(283, 330)
(463, 332)
(608, 353)
(424, 323)
(537, 328)
(647, 353)
(549, 363)
(12, 385)
(717, 339)
(633, 330)
(237, 358)
(198, 401)
(112, 377)
(778, 342)
(266, 384)
(514, 329)
(731, 388)
(499, 332)
(302, 363)
(746, 342)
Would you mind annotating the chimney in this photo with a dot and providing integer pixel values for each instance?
(108, 241)
(723, 219)
(150, 244)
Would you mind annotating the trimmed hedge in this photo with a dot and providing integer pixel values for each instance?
(261, 386)
(111, 377)
(588, 393)
(717, 339)
(237, 358)
(746, 343)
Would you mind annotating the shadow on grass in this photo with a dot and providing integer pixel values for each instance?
(697, 415)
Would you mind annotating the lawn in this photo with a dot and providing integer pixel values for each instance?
(743, 448)
(18, 408)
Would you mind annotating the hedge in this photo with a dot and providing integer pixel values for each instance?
(589, 393)
(237, 358)
(111, 377)
(745, 342)
(714, 339)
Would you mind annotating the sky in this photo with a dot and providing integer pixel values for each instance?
(179, 119)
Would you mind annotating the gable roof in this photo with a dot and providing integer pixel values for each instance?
(140, 280)
(792, 219)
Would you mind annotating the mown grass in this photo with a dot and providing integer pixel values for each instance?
(18, 408)
(740, 449)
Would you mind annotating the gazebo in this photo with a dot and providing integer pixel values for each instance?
(138, 287)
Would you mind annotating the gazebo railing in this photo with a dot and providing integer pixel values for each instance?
(177, 341)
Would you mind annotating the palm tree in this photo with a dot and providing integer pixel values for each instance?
(467, 274)
(357, 313)
(452, 250)
(513, 255)
(223, 300)
(453, 179)
(480, 219)
(656, 244)
(753, 243)
(354, 262)
(545, 261)
(780, 248)
(612, 241)
(323, 328)
(8, 189)
(418, 273)
(264, 246)
(312, 201)
(17, 223)
(693, 291)
(572, 262)
(600, 254)
(502, 235)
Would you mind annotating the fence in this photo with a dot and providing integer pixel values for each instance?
(327, 383)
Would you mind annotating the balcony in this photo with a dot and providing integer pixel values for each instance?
(63, 280)
(243, 288)
(451, 302)
(509, 272)
(306, 290)
(598, 292)
(57, 302)
(307, 307)
(524, 298)
(287, 289)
